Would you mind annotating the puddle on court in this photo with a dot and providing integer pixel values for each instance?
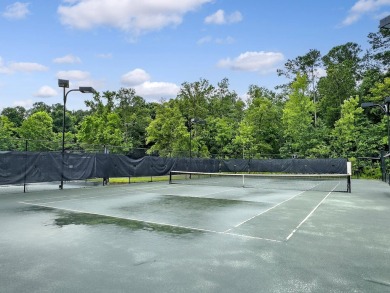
(71, 218)
(35, 209)
(180, 203)
(91, 220)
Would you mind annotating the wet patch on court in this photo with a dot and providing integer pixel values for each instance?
(33, 208)
(189, 203)
(91, 220)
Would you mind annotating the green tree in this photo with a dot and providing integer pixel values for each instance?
(344, 69)
(167, 133)
(380, 49)
(219, 136)
(16, 114)
(224, 103)
(260, 130)
(39, 107)
(99, 131)
(193, 99)
(309, 65)
(377, 95)
(370, 77)
(319, 141)
(103, 127)
(347, 54)
(135, 116)
(245, 140)
(71, 122)
(297, 118)
(7, 130)
(38, 129)
(347, 129)
(338, 85)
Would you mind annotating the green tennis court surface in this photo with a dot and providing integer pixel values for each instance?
(160, 237)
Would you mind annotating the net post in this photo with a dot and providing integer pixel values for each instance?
(349, 172)
(349, 188)
(170, 177)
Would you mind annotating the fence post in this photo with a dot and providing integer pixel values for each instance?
(25, 167)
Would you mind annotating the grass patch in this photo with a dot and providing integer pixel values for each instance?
(126, 180)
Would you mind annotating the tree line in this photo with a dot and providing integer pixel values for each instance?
(317, 113)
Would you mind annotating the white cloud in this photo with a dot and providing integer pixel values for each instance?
(26, 67)
(135, 16)
(135, 77)
(46, 92)
(320, 72)
(216, 18)
(139, 79)
(25, 103)
(18, 10)
(73, 75)
(236, 16)
(157, 90)
(104, 55)
(263, 62)
(362, 7)
(219, 17)
(228, 40)
(69, 59)
(220, 41)
(20, 67)
(3, 67)
(204, 40)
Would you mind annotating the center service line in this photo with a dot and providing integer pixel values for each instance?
(308, 216)
(263, 212)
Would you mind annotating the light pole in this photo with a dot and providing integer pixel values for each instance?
(385, 107)
(83, 89)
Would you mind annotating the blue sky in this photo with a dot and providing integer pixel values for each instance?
(156, 45)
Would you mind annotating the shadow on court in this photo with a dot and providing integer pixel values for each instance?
(158, 237)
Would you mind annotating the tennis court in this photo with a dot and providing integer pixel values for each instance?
(160, 237)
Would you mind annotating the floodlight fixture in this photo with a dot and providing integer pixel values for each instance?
(385, 23)
(197, 121)
(368, 105)
(63, 83)
(87, 89)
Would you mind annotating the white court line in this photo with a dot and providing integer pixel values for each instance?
(263, 212)
(120, 192)
(251, 237)
(81, 196)
(149, 222)
(308, 216)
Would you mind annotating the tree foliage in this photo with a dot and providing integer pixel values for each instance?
(38, 130)
(316, 114)
(297, 117)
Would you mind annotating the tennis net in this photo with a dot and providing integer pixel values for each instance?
(318, 182)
